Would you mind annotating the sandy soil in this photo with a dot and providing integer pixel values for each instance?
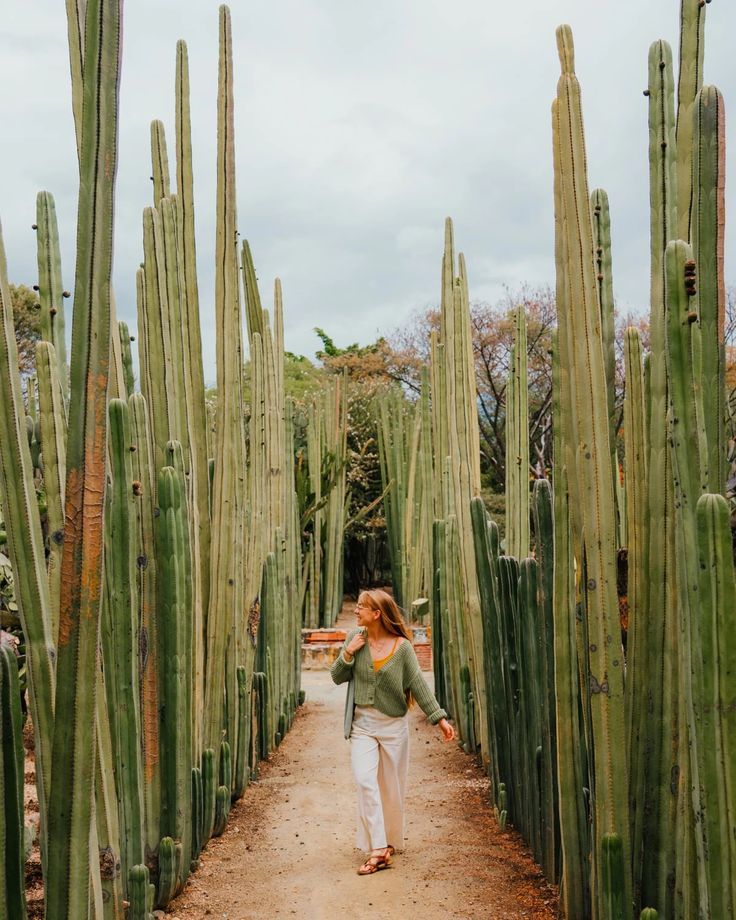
(288, 850)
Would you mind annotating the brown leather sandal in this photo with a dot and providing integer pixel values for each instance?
(375, 863)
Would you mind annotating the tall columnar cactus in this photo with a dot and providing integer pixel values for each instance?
(707, 227)
(715, 684)
(593, 488)
(120, 638)
(486, 562)
(228, 499)
(157, 383)
(160, 163)
(405, 453)
(105, 845)
(549, 805)
(654, 745)
(141, 449)
(637, 699)
(601, 220)
(517, 444)
(175, 662)
(51, 292)
(692, 53)
(25, 545)
(194, 371)
(68, 876)
(12, 841)
(127, 358)
(326, 471)
(456, 441)
(53, 426)
(687, 440)
(575, 893)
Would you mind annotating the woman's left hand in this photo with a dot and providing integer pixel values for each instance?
(447, 730)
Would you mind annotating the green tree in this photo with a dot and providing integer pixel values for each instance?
(27, 326)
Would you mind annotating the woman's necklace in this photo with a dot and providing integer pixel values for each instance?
(381, 645)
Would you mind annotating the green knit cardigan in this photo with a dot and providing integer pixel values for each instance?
(384, 688)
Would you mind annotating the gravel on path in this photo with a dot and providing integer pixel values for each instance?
(289, 847)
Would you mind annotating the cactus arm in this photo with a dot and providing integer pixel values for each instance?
(68, 876)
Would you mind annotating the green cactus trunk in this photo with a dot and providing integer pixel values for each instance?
(593, 488)
(70, 807)
(228, 499)
(51, 292)
(25, 546)
(517, 444)
(175, 647)
(707, 225)
(199, 477)
(53, 425)
(120, 640)
(716, 686)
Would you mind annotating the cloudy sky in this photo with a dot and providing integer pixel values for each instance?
(359, 128)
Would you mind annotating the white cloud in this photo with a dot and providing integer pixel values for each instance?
(359, 128)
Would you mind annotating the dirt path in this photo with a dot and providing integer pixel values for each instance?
(288, 850)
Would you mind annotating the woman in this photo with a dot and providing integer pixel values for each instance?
(379, 659)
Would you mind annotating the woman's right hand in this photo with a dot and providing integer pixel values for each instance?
(356, 643)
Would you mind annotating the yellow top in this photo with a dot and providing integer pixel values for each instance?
(379, 662)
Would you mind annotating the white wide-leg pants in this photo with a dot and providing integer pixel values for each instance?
(379, 751)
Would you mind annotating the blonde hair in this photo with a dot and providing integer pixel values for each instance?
(392, 621)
